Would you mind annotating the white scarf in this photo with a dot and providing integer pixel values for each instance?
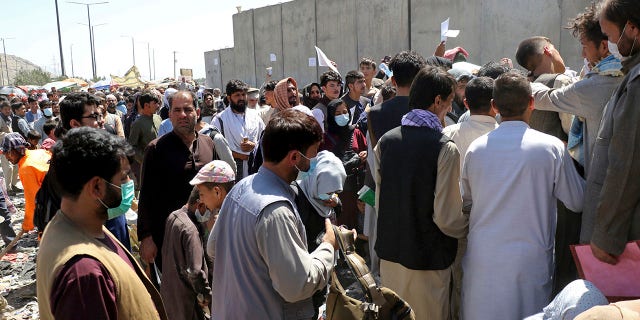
(239, 126)
(328, 177)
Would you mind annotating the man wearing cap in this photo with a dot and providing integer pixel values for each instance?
(186, 282)
(32, 167)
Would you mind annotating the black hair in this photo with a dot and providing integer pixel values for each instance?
(586, 24)
(387, 92)
(620, 12)
(48, 126)
(367, 61)
(352, 76)
(234, 86)
(493, 70)
(16, 105)
(33, 134)
(85, 153)
(289, 130)
(511, 94)
(530, 50)
(45, 104)
(271, 85)
(72, 107)
(330, 76)
(147, 97)
(405, 65)
(478, 93)
(429, 83)
(194, 196)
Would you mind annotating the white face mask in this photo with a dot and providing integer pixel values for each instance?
(613, 48)
(203, 217)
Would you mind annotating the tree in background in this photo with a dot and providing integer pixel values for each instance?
(32, 77)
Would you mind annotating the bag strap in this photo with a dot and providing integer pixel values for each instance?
(359, 269)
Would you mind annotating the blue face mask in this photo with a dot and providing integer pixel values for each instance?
(324, 196)
(342, 120)
(127, 194)
(313, 162)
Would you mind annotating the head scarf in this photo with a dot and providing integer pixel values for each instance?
(281, 94)
(329, 177)
(344, 132)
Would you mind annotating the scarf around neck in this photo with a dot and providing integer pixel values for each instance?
(421, 118)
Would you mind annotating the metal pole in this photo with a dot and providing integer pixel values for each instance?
(73, 74)
(133, 49)
(6, 66)
(93, 49)
(149, 57)
(174, 65)
(60, 40)
(1, 74)
(154, 63)
(93, 57)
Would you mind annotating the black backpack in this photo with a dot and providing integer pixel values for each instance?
(47, 204)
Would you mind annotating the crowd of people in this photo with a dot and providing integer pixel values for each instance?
(483, 176)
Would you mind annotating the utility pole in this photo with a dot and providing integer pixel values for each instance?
(174, 65)
(133, 48)
(93, 57)
(60, 41)
(6, 65)
(72, 72)
(154, 63)
(149, 57)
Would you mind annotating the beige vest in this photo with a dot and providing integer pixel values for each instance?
(137, 298)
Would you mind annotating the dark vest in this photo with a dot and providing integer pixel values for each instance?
(547, 121)
(14, 125)
(386, 116)
(406, 232)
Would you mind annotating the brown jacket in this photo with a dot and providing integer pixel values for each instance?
(137, 298)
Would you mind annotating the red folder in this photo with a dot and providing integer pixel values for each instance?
(617, 282)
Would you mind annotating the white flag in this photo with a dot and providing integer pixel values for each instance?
(323, 61)
(445, 32)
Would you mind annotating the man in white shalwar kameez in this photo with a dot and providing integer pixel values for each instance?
(241, 127)
(511, 180)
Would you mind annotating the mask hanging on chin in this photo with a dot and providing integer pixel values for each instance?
(203, 217)
(613, 49)
(127, 191)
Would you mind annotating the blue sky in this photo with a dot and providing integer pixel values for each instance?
(189, 27)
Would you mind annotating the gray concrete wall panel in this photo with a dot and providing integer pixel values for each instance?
(337, 36)
(299, 39)
(227, 66)
(244, 48)
(382, 28)
(349, 29)
(212, 67)
(267, 33)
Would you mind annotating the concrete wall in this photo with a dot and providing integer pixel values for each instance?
(244, 48)
(347, 30)
(227, 66)
(298, 40)
(212, 67)
(267, 35)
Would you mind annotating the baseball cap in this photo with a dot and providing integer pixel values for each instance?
(216, 171)
(13, 141)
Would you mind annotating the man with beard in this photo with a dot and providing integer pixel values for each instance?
(170, 162)
(82, 271)
(241, 129)
(613, 193)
